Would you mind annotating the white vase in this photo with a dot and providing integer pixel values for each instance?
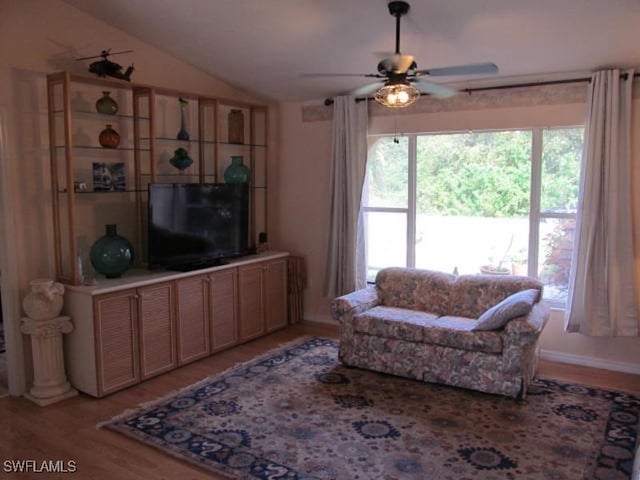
(45, 300)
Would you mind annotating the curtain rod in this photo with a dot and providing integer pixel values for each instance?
(624, 76)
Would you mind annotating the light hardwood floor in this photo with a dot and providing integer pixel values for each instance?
(67, 430)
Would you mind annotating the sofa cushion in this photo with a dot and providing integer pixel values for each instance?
(457, 332)
(472, 295)
(513, 306)
(393, 322)
(424, 327)
(414, 289)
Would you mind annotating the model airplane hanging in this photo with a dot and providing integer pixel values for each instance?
(107, 68)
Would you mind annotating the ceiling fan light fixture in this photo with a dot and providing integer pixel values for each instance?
(397, 95)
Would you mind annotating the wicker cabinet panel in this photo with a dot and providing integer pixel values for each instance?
(275, 286)
(192, 320)
(223, 309)
(251, 301)
(115, 318)
(157, 338)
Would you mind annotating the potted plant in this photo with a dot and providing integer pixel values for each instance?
(499, 268)
(519, 262)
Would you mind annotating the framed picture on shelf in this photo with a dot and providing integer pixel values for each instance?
(109, 177)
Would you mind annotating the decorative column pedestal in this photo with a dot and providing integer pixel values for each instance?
(50, 383)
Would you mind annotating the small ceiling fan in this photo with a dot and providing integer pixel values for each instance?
(401, 83)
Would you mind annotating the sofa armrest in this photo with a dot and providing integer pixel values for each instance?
(525, 330)
(346, 306)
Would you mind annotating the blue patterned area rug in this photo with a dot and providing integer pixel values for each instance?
(297, 413)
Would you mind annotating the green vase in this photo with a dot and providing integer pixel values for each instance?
(237, 172)
(111, 255)
(106, 104)
(181, 159)
(182, 133)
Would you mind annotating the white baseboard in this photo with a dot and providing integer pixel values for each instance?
(592, 362)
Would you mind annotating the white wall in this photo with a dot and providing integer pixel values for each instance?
(304, 198)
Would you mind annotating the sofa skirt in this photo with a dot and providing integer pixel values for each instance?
(485, 372)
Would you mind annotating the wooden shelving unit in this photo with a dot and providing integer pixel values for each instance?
(148, 120)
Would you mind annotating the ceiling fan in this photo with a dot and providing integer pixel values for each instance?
(401, 83)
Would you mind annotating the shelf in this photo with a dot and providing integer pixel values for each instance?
(206, 142)
(122, 116)
(252, 145)
(102, 192)
(103, 149)
(177, 175)
(172, 139)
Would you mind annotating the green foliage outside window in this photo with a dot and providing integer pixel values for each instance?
(484, 174)
(561, 153)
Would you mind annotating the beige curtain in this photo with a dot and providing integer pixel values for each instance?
(345, 265)
(602, 289)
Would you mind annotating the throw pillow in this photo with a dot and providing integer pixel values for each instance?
(511, 307)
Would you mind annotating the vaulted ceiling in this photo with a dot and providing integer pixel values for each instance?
(266, 46)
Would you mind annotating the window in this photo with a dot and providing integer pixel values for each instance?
(497, 202)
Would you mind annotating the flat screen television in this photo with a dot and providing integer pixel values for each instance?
(197, 225)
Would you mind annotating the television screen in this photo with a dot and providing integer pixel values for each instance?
(197, 225)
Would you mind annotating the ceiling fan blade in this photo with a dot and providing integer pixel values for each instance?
(434, 89)
(367, 89)
(374, 75)
(396, 63)
(473, 69)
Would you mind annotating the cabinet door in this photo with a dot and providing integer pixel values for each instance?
(115, 317)
(275, 294)
(251, 302)
(192, 319)
(223, 310)
(157, 339)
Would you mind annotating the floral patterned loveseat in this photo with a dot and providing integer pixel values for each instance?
(472, 331)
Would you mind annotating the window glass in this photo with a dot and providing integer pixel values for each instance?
(461, 202)
(472, 244)
(556, 248)
(561, 158)
(386, 244)
(560, 184)
(472, 198)
(387, 173)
